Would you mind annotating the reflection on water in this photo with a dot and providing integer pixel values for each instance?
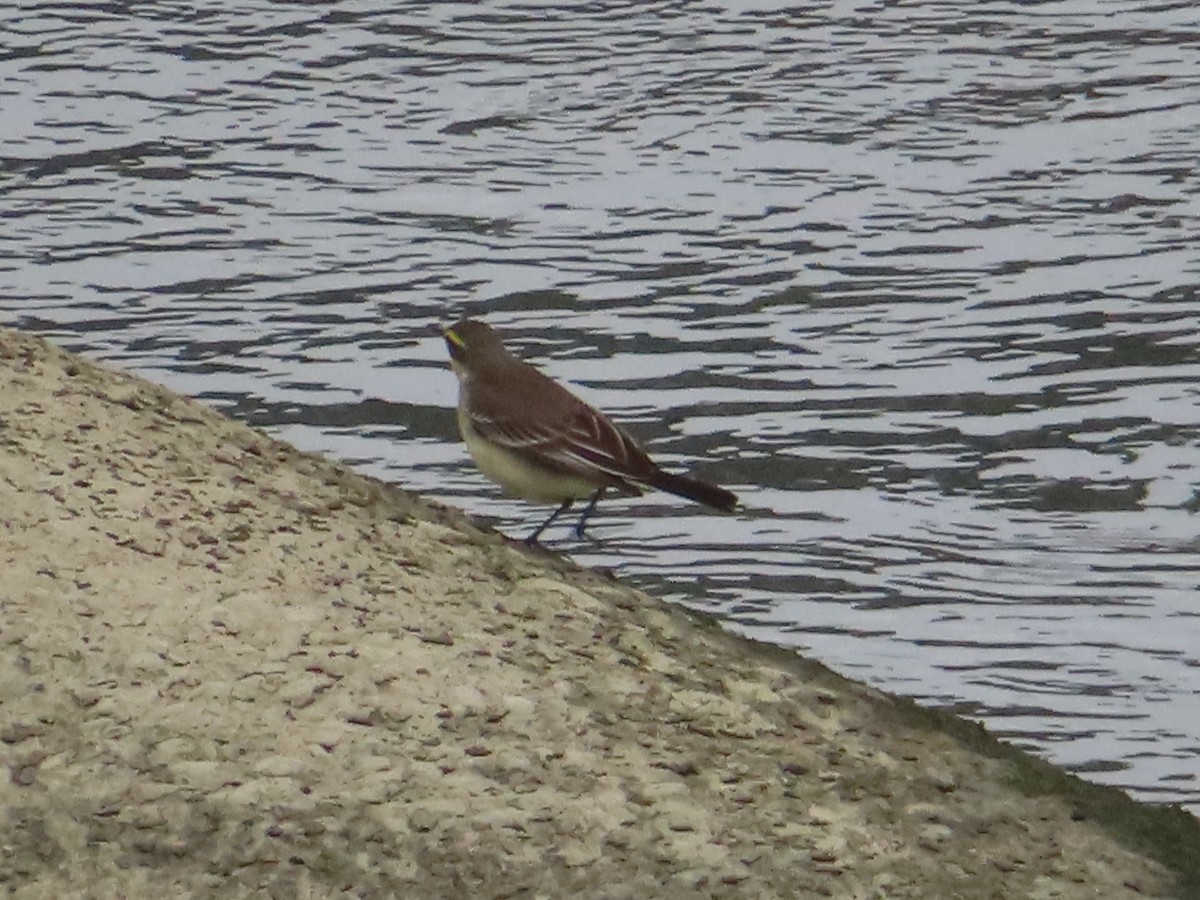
(918, 281)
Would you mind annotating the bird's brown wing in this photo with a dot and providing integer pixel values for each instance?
(585, 444)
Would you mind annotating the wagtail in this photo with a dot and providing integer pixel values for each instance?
(541, 443)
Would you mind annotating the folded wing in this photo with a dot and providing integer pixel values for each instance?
(586, 444)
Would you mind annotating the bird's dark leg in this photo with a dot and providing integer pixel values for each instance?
(537, 532)
(587, 511)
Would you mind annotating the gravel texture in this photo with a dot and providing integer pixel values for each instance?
(229, 669)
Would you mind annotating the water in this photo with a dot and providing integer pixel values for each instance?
(918, 280)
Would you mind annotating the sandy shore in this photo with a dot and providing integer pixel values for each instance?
(231, 669)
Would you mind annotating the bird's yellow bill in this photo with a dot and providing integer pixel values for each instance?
(452, 337)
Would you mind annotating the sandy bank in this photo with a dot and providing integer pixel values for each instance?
(231, 669)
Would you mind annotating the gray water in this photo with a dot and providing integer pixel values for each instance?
(918, 280)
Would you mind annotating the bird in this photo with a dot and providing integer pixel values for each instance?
(541, 443)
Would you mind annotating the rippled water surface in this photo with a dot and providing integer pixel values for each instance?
(919, 280)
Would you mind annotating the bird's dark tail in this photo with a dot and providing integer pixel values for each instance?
(694, 489)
